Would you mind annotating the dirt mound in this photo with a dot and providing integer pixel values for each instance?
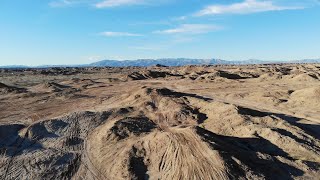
(50, 87)
(294, 74)
(83, 81)
(8, 135)
(56, 71)
(220, 75)
(5, 89)
(149, 74)
(169, 108)
(166, 141)
(49, 149)
(229, 75)
(308, 97)
(171, 93)
(57, 90)
(304, 78)
(128, 126)
(208, 76)
(114, 80)
(251, 158)
(274, 97)
(283, 70)
(55, 86)
(173, 154)
(191, 122)
(312, 93)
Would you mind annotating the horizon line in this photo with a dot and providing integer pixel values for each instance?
(150, 59)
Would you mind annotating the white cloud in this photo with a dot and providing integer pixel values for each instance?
(105, 3)
(67, 3)
(245, 7)
(191, 29)
(119, 34)
(114, 3)
(60, 3)
(180, 18)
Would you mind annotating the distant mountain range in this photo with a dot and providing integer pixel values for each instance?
(166, 62)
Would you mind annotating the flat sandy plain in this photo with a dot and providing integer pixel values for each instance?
(190, 122)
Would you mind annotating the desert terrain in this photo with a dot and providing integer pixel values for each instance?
(188, 122)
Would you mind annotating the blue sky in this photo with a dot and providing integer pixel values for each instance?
(37, 32)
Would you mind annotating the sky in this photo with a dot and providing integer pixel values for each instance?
(45, 32)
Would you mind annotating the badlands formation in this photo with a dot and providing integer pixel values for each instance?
(189, 122)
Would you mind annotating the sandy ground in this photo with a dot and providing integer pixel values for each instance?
(190, 122)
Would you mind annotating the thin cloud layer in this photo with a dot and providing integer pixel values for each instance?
(190, 29)
(98, 3)
(245, 7)
(61, 3)
(67, 3)
(115, 3)
(119, 34)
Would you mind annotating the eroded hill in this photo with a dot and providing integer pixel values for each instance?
(190, 122)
